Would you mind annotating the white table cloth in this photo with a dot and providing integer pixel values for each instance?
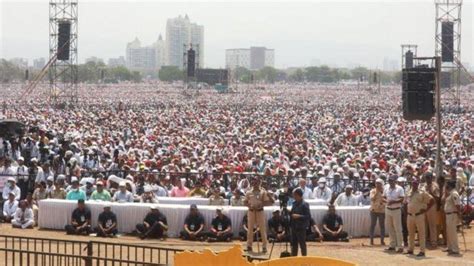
(205, 201)
(55, 214)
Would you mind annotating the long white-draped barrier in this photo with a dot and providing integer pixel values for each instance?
(55, 214)
(205, 201)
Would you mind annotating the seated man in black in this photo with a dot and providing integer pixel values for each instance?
(107, 225)
(80, 220)
(154, 224)
(312, 232)
(332, 226)
(244, 229)
(278, 228)
(193, 225)
(221, 228)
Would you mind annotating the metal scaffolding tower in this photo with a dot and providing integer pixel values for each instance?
(449, 11)
(63, 72)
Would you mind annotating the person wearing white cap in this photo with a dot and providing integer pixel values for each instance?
(9, 207)
(11, 187)
(123, 195)
(23, 217)
(148, 196)
(75, 193)
(377, 211)
(346, 198)
(322, 192)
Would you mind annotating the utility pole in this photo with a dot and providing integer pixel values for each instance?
(439, 168)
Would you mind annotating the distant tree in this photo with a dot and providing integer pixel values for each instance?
(242, 74)
(297, 76)
(170, 73)
(267, 74)
(10, 72)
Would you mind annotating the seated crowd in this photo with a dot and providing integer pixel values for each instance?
(194, 228)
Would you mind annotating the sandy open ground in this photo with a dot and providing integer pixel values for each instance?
(356, 250)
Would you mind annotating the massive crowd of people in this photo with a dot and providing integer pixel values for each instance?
(137, 142)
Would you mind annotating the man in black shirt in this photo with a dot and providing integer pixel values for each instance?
(154, 224)
(245, 228)
(312, 232)
(193, 225)
(221, 228)
(332, 226)
(80, 220)
(299, 222)
(278, 227)
(107, 225)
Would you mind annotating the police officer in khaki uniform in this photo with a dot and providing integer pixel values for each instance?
(432, 214)
(255, 199)
(452, 210)
(418, 202)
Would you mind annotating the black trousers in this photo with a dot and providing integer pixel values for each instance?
(154, 231)
(298, 237)
(273, 237)
(100, 233)
(329, 237)
(71, 230)
(312, 237)
(184, 235)
(223, 237)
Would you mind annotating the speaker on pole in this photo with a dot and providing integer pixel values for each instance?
(409, 59)
(418, 87)
(447, 41)
(191, 62)
(64, 36)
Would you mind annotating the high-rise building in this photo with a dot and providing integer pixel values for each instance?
(39, 63)
(180, 34)
(253, 58)
(160, 55)
(237, 58)
(140, 58)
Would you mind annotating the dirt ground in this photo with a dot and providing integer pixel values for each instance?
(357, 250)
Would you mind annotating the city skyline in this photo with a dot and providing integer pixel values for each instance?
(335, 34)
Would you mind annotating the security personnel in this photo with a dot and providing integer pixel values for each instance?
(432, 215)
(255, 199)
(452, 210)
(299, 221)
(418, 202)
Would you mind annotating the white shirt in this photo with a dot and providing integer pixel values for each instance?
(22, 172)
(9, 208)
(4, 175)
(7, 189)
(394, 194)
(121, 197)
(344, 200)
(307, 193)
(28, 215)
(324, 194)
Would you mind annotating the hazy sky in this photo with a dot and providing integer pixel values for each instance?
(338, 33)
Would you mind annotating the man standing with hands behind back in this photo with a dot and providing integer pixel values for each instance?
(255, 199)
(299, 221)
